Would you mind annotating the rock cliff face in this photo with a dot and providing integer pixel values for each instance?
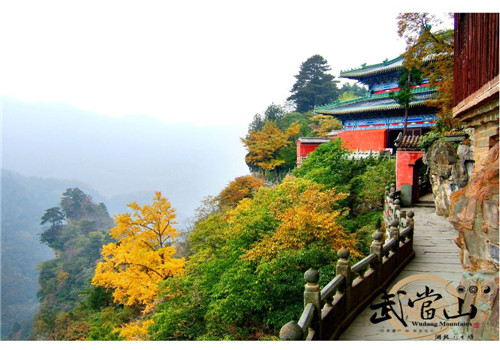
(447, 172)
(474, 214)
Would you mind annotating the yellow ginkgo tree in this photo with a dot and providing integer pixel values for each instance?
(304, 213)
(143, 254)
(264, 145)
(322, 125)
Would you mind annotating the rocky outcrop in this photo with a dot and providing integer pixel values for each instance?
(447, 172)
(474, 214)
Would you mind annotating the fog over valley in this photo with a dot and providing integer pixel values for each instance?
(49, 147)
(122, 159)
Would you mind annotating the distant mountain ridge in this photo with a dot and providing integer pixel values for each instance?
(121, 156)
(24, 200)
(50, 147)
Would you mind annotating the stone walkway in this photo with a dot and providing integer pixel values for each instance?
(435, 253)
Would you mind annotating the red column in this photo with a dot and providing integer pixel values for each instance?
(405, 160)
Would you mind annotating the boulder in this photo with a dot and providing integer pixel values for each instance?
(447, 172)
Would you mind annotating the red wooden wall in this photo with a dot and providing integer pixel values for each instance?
(476, 52)
(364, 140)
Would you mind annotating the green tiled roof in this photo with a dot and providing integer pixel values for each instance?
(387, 65)
(373, 102)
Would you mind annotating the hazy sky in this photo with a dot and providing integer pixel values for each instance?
(215, 62)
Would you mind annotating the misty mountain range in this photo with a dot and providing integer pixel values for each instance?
(49, 147)
(122, 159)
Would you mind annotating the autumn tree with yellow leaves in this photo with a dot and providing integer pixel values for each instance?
(310, 219)
(250, 258)
(264, 145)
(322, 124)
(143, 254)
(241, 187)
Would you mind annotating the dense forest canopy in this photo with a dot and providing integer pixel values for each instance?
(247, 251)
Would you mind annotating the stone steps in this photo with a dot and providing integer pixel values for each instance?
(426, 203)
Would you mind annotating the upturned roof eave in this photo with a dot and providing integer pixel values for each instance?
(369, 109)
(360, 75)
(368, 71)
(340, 105)
(372, 69)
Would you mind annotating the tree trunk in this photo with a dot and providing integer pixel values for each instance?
(407, 106)
(406, 122)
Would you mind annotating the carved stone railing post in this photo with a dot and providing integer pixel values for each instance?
(386, 259)
(394, 229)
(311, 289)
(344, 268)
(410, 222)
(403, 223)
(397, 208)
(386, 203)
(394, 234)
(291, 331)
(392, 195)
(312, 294)
(377, 248)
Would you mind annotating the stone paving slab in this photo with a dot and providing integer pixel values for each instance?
(435, 253)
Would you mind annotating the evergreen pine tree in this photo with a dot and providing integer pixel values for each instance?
(314, 86)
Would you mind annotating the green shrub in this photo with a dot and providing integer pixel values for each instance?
(427, 140)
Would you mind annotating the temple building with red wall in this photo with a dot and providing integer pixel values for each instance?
(306, 145)
(371, 124)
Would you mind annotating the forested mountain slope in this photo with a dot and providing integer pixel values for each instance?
(24, 200)
(76, 231)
